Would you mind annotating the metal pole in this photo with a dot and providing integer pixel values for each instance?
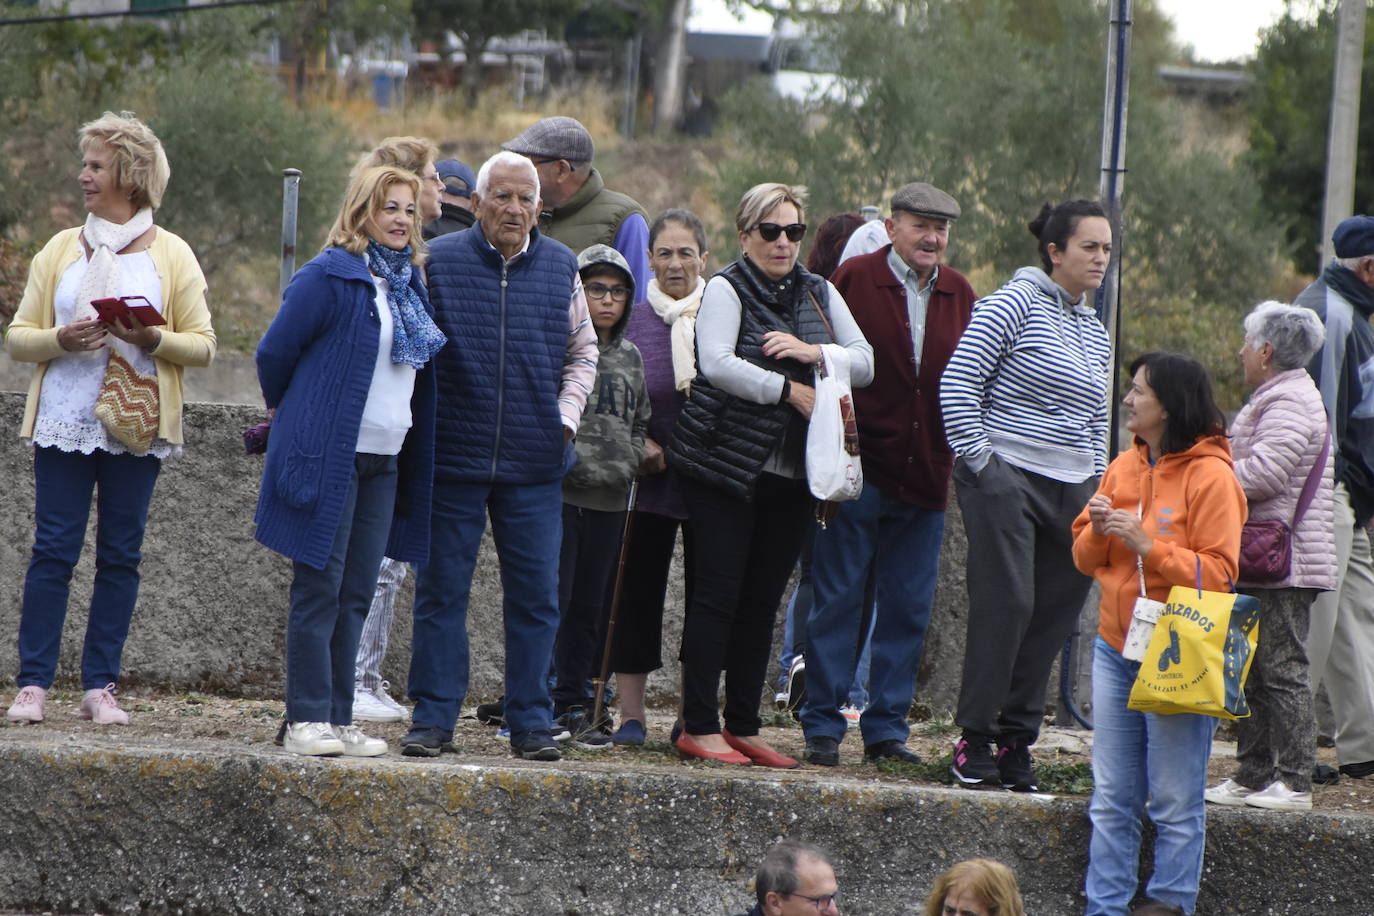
(627, 120)
(290, 194)
(1342, 140)
(1108, 299)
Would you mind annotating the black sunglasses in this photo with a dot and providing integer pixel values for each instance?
(769, 232)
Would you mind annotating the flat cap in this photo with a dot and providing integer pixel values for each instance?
(925, 200)
(554, 138)
(457, 176)
(1354, 237)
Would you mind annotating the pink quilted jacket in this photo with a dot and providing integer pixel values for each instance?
(1275, 440)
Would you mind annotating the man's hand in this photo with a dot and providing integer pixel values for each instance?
(653, 461)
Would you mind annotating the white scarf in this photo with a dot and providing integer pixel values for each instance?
(681, 317)
(101, 281)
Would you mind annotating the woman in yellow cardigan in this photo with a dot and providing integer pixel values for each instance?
(118, 252)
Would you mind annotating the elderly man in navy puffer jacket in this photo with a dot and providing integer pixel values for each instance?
(513, 383)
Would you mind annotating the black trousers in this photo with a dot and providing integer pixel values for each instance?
(745, 552)
(586, 562)
(637, 645)
(1024, 593)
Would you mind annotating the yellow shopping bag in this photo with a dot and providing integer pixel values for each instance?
(1199, 655)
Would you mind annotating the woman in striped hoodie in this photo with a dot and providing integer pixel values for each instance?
(1025, 407)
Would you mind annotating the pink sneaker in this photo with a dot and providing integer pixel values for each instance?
(28, 706)
(100, 707)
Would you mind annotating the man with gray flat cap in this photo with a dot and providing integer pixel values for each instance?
(580, 211)
(885, 545)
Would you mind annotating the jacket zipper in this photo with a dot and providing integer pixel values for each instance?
(500, 375)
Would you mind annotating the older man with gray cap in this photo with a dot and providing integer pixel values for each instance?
(885, 545)
(579, 210)
(1340, 645)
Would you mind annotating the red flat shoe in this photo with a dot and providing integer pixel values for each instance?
(689, 749)
(763, 756)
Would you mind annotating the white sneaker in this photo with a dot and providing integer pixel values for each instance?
(851, 714)
(312, 739)
(356, 744)
(384, 694)
(28, 706)
(368, 706)
(1278, 797)
(1229, 792)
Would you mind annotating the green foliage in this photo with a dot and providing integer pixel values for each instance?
(226, 125)
(1000, 103)
(1289, 115)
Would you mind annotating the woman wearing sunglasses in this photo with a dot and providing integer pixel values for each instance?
(739, 445)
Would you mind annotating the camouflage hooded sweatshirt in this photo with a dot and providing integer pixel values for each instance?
(610, 440)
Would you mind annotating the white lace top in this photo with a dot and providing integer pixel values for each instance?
(71, 384)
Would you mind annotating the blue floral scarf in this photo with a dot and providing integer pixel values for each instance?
(415, 338)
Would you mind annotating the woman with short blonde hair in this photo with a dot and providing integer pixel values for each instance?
(80, 448)
(347, 370)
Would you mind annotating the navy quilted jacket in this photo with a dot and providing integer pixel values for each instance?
(500, 375)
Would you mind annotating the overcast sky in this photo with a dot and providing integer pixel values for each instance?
(1218, 30)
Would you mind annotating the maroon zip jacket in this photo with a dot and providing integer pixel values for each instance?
(901, 431)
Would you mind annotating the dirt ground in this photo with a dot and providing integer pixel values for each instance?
(1062, 756)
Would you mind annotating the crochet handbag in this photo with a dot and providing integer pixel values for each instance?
(128, 404)
(1266, 545)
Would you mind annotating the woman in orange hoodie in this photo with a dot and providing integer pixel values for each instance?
(1166, 508)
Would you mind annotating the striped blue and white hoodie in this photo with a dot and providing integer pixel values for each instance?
(1029, 381)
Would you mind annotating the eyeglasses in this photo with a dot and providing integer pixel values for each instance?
(769, 232)
(825, 901)
(601, 291)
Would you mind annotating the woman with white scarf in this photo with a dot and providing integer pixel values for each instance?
(119, 252)
(664, 330)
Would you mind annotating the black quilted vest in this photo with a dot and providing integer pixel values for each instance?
(723, 440)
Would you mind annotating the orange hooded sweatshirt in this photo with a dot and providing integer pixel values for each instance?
(1193, 508)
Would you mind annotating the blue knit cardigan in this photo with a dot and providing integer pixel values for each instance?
(315, 367)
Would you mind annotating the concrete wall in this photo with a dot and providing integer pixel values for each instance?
(91, 826)
(212, 609)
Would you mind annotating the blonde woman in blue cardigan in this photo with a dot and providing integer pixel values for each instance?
(346, 368)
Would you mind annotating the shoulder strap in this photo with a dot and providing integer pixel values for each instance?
(1309, 489)
(815, 303)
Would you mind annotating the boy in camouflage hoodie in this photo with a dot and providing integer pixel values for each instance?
(610, 443)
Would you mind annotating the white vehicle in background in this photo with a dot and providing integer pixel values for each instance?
(800, 65)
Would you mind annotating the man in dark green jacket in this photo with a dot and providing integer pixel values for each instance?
(580, 211)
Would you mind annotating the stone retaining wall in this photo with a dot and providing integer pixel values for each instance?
(212, 608)
(98, 827)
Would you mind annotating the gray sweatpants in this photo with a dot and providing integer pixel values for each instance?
(1024, 593)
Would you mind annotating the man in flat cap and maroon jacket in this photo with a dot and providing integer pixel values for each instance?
(579, 210)
(886, 544)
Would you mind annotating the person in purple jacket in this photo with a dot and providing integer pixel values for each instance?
(663, 327)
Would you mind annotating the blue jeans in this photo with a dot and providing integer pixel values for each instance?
(1143, 763)
(527, 525)
(63, 483)
(876, 549)
(798, 609)
(328, 606)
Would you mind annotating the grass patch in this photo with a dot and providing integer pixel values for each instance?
(1065, 778)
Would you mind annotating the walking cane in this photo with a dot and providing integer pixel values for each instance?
(599, 706)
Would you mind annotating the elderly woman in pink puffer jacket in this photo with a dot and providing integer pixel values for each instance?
(1277, 440)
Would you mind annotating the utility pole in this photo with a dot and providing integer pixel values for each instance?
(1341, 141)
